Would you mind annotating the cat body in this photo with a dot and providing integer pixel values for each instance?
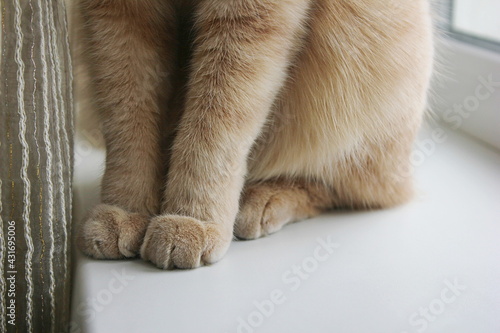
(227, 117)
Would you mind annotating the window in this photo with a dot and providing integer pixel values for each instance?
(476, 19)
(467, 90)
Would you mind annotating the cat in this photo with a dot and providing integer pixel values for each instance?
(231, 118)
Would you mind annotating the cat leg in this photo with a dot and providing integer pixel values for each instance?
(351, 109)
(130, 50)
(240, 60)
(347, 117)
(371, 182)
(268, 206)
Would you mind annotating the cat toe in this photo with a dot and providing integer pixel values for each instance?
(182, 242)
(267, 207)
(263, 212)
(110, 232)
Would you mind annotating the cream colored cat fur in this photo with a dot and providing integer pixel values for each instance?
(227, 117)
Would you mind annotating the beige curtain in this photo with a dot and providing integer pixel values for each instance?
(36, 130)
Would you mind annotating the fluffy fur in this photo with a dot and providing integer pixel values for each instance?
(245, 115)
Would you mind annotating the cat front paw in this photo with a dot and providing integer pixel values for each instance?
(173, 241)
(110, 232)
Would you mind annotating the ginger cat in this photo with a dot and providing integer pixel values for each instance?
(236, 117)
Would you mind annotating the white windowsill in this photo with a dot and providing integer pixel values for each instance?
(389, 265)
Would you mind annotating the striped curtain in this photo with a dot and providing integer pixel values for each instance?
(35, 166)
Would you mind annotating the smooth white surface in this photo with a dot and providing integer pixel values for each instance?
(389, 265)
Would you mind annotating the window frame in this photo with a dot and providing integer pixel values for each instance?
(462, 35)
(462, 62)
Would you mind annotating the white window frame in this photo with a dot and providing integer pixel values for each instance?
(462, 96)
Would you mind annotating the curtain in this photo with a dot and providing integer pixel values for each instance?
(36, 131)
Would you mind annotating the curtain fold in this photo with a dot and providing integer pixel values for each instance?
(36, 140)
